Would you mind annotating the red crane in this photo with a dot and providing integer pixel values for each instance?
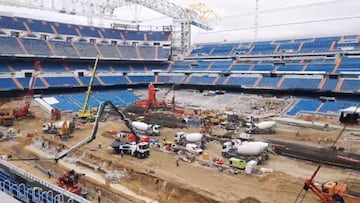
(24, 102)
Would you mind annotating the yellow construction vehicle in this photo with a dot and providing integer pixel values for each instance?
(86, 114)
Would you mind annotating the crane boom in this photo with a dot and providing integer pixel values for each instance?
(92, 136)
(85, 111)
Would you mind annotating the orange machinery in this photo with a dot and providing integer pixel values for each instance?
(331, 192)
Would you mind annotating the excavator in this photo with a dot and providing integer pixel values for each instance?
(69, 181)
(86, 114)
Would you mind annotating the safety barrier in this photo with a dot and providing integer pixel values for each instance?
(35, 194)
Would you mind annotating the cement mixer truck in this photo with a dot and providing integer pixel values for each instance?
(55, 127)
(146, 129)
(182, 138)
(257, 151)
(265, 127)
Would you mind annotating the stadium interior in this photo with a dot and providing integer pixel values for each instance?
(55, 60)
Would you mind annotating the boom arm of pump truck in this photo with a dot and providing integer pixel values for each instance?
(92, 136)
(88, 92)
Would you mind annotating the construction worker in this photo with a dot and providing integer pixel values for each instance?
(99, 196)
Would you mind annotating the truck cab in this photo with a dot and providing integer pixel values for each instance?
(193, 148)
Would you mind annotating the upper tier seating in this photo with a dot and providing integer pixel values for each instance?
(33, 25)
(36, 47)
(349, 64)
(310, 45)
(242, 81)
(9, 45)
(202, 80)
(301, 83)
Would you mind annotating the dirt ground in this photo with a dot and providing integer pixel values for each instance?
(192, 182)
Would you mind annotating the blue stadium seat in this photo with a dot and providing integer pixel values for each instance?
(62, 82)
(220, 66)
(80, 100)
(304, 105)
(129, 52)
(89, 31)
(22, 65)
(7, 84)
(330, 84)
(171, 79)
(121, 67)
(301, 83)
(66, 29)
(86, 49)
(114, 80)
(164, 53)
(40, 26)
(291, 67)
(133, 35)
(12, 23)
(288, 47)
(108, 96)
(241, 67)
(108, 51)
(263, 67)
(328, 68)
(25, 83)
(63, 48)
(126, 97)
(86, 81)
(10, 46)
(200, 66)
(157, 66)
(65, 104)
(147, 52)
(221, 80)
(202, 80)
(53, 67)
(158, 36)
(333, 106)
(263, 48)
(142, 78)
(352, 85)
(349, 64)
(36, 47)
(269, 82)
(180, 66)
(243, 81)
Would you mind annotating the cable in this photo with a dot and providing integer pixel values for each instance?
(284, 24)
(281, 9)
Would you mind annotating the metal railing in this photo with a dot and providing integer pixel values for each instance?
(61, 193)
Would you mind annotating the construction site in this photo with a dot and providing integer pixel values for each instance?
(136, 112)
(170, 163)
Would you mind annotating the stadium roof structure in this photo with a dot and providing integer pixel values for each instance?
(182, 17)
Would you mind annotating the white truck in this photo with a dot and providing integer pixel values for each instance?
(182, 138)
(54, 127)
(265, 127)
(140, 150)
(245, 150)
(146, 129)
